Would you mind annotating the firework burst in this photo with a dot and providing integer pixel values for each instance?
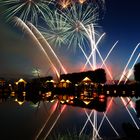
(30, 10)
(54, 29)
(63, 25)
(75, 15)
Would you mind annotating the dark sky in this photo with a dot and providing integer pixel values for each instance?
(18, 55)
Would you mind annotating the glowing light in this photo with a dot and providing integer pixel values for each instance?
(64, 3)
(68, 81)
(62, 81)
(52, 81)
(88, 61)
(21, 80)
(101, 96)
(12, 93)
(94, 47)
(86, 79)
(81, 1)
(19, 102)
(62, 101)
(86, 102)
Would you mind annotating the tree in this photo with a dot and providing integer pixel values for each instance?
(137, 72)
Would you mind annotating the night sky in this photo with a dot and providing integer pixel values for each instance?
(19, 57)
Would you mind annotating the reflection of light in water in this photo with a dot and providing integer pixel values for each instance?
(52, 109)
(124, 102)
(34, 105)
(61, 111)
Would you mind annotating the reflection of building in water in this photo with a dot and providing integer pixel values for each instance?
(86, 89)
(4, 90)
(21, 84)
(64, 84)
(2, 82)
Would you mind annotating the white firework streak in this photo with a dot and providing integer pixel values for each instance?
(28, 31)
(44, 43)
(124, 71)
(130, 71)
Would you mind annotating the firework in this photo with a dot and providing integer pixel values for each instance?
(75, 15)
(28, 31)
(30, 10)
(64, 3)
(124, 71)
(50, 52)
(63, 25)
(54, 29)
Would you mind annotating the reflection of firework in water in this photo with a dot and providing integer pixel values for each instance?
(25, 9)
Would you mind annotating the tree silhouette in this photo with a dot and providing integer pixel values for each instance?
(137, 72)
(97, 76)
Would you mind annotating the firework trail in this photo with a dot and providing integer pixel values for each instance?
(95, 47)
(27, 30)
(50, 52)
(109, 52)
(124, 71)
(131, 70)
(88, 59)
